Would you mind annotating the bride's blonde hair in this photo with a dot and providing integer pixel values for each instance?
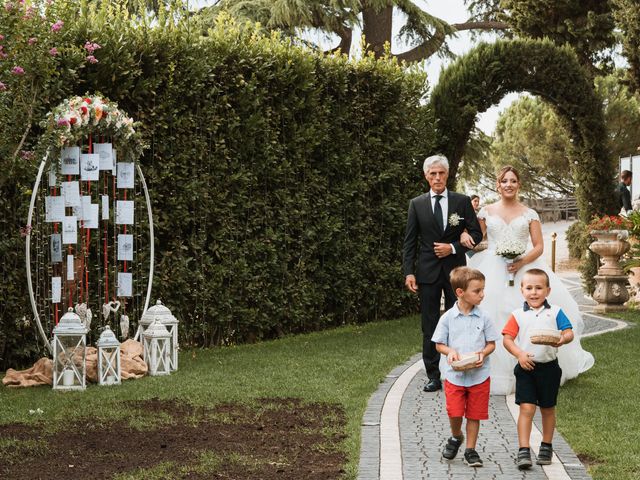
(503, 171)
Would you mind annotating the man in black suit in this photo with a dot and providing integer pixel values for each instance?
(623, 190)
(435, 221)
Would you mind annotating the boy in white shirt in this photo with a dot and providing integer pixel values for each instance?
(537, 372)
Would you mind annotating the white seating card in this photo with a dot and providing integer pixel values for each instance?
(56, 248)
(125, 175)
(125, 247)
(105, 207)
(89, 166)
(71, 194)
(69, 231)
(106, 158)
(70, 269)
(56, 289)
(70, 161)
(125, 284)
(54, 209)
(124, 212)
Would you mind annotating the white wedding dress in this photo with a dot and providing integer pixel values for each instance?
(500, 300)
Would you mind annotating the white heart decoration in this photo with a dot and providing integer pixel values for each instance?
(114, 306)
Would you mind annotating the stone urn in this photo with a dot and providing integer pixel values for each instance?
(611, 281)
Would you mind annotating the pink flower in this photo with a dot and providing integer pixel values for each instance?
(63, 122)
(92, 59)
(1, 37)
(91, 47)
(53, 52)
(32, 40)
(27, 154)
(17, 70)
(3, 87)
(3, 55)
(56, 27)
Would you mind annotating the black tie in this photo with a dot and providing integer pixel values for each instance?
(437, 212)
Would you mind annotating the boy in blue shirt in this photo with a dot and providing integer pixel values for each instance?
(537, 372)
(466, 329)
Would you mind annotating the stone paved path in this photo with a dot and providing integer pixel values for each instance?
(404, 429)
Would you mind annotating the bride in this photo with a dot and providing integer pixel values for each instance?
(510, 217)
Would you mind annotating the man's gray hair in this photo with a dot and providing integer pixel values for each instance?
(434, 160)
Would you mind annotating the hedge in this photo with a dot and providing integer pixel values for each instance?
(279, 177)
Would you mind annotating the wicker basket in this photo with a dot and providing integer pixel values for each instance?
(545, 336)
(467, 362)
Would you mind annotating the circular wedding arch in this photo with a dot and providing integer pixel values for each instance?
(481, 78)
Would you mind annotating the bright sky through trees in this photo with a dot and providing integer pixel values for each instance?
(452, 11)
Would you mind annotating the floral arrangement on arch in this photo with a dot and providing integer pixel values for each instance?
(607, 223)
(73, 120)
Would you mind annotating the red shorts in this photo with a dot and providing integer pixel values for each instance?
(471, 402)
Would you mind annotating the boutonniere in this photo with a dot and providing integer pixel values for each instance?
(454, 219)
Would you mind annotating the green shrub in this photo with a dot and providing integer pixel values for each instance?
(578, 239)
(279, 177)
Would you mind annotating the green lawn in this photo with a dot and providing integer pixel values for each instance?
(599, 413)
(342, 366)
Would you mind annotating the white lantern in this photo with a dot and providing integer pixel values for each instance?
(109, 372)
(156, 341)
(69, 353)
(163, 315)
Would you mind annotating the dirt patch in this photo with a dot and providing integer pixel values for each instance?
(277, 438)
(588, 460)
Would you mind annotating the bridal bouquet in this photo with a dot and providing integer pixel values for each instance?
(510, 249)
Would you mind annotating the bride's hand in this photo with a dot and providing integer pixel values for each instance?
(515, 266)
(466, 240)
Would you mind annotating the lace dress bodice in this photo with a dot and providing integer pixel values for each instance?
(497, 228)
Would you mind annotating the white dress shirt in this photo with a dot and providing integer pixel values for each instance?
(444, 204)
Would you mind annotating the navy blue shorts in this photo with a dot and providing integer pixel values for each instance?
(538, 386)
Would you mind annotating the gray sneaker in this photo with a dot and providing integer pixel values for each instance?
(524, 459)
(472, 458)
(451, 448)
(545, 454)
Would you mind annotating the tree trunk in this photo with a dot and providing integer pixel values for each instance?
(377, 29)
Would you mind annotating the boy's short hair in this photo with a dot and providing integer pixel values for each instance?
(539, 272)
(461, 277)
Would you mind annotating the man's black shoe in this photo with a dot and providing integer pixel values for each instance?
(433, 385)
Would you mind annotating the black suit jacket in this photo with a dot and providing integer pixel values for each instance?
(422, 231)
(624, 196)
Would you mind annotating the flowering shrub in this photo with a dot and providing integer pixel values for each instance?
(37, 66)
(609, 222)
